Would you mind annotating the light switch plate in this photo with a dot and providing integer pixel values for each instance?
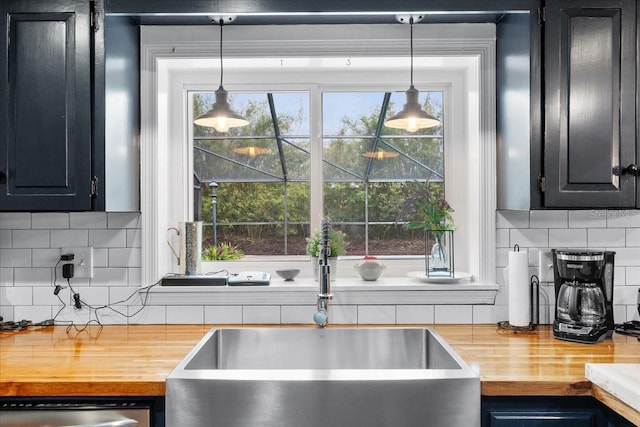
(82, 261)
(545, 266)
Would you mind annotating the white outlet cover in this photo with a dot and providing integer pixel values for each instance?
(82, 261)
(545, 266)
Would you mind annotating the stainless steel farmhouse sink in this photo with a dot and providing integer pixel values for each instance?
(322, 377)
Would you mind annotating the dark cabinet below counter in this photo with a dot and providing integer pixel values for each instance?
(45, 107)
(591, 137)
(552, 411)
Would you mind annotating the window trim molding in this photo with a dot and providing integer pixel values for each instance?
(159, 44)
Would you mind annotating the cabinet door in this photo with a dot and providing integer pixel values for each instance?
(45, 112)
(590, 91)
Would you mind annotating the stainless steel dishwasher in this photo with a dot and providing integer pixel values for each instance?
(74, 414)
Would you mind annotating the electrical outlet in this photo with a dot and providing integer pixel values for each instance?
(82, 261)
(545, 266)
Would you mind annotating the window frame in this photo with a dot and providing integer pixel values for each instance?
(164, 204)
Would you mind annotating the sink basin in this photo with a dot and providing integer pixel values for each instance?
(322, 377)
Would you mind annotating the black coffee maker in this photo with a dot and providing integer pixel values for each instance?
(584, 295)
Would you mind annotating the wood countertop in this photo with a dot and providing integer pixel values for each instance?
(135, 360)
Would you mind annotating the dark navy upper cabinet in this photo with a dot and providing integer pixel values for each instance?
(590, 66)
(45, 111)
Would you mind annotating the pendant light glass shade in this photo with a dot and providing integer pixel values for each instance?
(221, 116)
(412, 117)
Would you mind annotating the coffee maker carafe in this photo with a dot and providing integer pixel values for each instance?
(584, 295)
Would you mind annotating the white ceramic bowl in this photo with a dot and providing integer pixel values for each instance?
(289, 274)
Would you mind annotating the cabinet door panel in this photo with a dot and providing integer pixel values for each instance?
(590, 103)
(45, 142)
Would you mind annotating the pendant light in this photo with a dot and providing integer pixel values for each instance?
(412, 117)
(221, 116)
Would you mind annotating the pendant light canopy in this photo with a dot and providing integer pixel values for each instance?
(221, 116)
(412, 117)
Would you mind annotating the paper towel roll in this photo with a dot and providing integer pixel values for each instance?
(519, 293)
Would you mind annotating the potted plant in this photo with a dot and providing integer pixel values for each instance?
(370, 268)
(222, 251)
(432, 213)
(337, 246)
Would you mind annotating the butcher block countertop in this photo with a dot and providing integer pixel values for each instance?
(135, 360)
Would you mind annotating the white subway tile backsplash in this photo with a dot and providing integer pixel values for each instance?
(16, 295)
(632, 314)
(490, 313)
(529, 238)
(5, 239)
(223, 314)
(297, 314)
(6, 277)
(627, 257)
(512, 219)
(267, 314)
(453, 314)
(549, 219)
(33, 277)
(502, 238)
(179, 314)
(377, 314)
(6, 312)
(568, 238)
(588, 219)
(68, 238)
(100, 257)
(606, 237)
(15, 258)
(45, 257)
(619, 313)
(625, 295)
(43, 295)
(35, 313)
(30, 239)
(342, 314)
(502, 257)
(116, 277)
(623, 218)
(633, 276)
(27, 260)
(89, 220)
(108, 238)
(633, 237)
(14, 220)
(126, 257)
(122, 220)
(147, 315)
(134, 238)
(134, 275)
(406, 314)
(124, 296)
(49, 220)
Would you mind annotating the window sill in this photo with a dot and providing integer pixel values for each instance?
(347, 291)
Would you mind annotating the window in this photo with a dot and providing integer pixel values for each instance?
(455, 60)
(261, 171)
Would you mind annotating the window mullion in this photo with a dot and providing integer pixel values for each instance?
(315, 116)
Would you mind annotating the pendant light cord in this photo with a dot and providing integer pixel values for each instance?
(411, 37)
(221, 68)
